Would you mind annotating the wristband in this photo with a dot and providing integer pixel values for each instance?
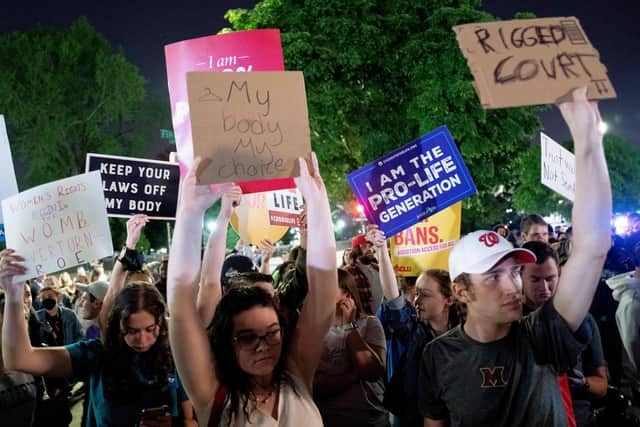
(130, 259)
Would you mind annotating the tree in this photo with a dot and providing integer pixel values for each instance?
(622, 159)
(380, 74)
(65, 93)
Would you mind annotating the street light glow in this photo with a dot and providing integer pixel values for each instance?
(211, 226)
(603, 127)
(340, 224)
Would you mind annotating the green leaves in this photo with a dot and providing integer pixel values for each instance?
(64, 93)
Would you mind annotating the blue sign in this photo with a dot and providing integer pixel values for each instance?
(2, 238)
(412, 182)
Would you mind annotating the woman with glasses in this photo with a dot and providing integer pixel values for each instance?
(240, 373)
(128, 374)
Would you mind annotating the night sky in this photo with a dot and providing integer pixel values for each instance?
(142, 28)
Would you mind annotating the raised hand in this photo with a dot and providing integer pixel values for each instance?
(11, 266)
(197, 198)
(267, 249)
(582, 116)
(231, 197)
(376, 236)
(311, 184)
(135, 224)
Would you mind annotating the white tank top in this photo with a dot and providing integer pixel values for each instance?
(295, 409)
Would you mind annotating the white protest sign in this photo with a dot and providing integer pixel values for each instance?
(58, 225)
(8, 185)
(285, 207)
(558, 170)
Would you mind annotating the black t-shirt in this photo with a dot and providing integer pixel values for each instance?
(54, 335)
(509, 382)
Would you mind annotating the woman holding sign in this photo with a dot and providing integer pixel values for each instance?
(130, 375)
(243, 357)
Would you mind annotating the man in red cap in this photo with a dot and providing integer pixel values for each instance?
(364, 268)
(499, 368)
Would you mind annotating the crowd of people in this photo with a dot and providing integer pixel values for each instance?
(507, 336)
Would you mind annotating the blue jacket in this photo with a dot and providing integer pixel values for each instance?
(71, 327)
(406, 338)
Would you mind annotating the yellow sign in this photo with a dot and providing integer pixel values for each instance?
(427, 244)
(252, 219)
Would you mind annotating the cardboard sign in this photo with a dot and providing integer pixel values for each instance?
(58, 225)
(412, 182)
(558, 169)
(532, 61)
(252, 219)
(243, 51)
(248, 126)
(132, 186)
(8, 184)
(285, 207)
(427, 244)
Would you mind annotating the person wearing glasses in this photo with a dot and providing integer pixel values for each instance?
(238, 372)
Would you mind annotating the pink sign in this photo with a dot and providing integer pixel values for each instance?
(244, 51)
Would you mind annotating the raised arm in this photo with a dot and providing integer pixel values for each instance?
(17, 353)
(266, 248)
(591, 212)
(387, 275)
(135, 224)
(319, 306)
(189, 343)
(210, 289)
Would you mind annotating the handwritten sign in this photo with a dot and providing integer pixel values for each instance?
(133, 186)
(426, 244)
(248, 126)
(285, 207)
(532, 61)
(558, 169)
(8, 184)
(412, 182)
(58, 225)
(241, 51)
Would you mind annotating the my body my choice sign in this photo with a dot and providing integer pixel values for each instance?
(413, 182)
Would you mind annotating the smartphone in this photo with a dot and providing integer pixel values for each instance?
(149, 413)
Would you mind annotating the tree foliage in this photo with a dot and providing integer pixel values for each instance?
(380, 74)
(622, 160)
(65, 93)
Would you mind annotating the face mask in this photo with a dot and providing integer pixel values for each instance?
(49, 303)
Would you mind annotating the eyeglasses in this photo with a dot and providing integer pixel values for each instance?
(251, 341)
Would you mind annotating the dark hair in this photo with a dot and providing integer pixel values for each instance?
(406, 282)
(246, 279)
(542, 251)
(228, 370)
(119, 368)
(530, 220)
(347, 283)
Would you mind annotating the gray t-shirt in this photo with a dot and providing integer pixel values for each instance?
(509, 382)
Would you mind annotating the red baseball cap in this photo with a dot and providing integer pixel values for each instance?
(360, 239)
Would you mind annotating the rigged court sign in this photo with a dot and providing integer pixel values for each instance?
(137, 186)
(532, 61)
(412, 182)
